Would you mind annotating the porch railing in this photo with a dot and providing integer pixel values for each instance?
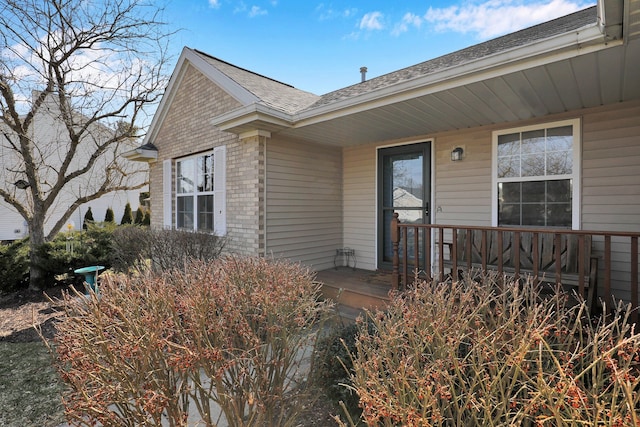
(616, 254)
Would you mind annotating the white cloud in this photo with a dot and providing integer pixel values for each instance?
(256, 11)
(408, 20)
(214, 4)
(326, 13)
(371, 21)
(496, 17)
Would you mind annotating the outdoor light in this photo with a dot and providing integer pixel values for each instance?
(21, 184)
(456, 154)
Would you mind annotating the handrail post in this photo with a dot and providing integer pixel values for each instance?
(395, 240)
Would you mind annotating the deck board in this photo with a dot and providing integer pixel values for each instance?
(366, 282)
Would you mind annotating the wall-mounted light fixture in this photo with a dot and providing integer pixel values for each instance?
(22, 184)
(456, 154)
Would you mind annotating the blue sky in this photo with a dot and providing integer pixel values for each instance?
(319, 46)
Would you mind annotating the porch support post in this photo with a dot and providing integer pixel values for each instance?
(395, 240)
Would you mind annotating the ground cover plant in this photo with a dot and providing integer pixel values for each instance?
(480, 354)
(168, 347)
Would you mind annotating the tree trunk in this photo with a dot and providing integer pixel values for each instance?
(36, 261)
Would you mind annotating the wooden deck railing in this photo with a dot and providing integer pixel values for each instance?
(616, 255)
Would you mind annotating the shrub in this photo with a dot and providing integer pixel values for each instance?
(139, 219)
(229, 333)
(14, 265)
(469, 354)
(147, 218)
(333, 365)
(109, 216)
(71, 250)
(127, 216)
(170, 249)
(132, 246)
(88, 219)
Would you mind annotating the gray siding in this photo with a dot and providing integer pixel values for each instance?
(463, 188)
(611, 183)
(304, 202)
(360, 203)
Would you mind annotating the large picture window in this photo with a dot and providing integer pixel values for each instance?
(199, 192)
(536, 176)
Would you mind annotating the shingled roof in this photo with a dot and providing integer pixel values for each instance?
(286, 98)
(572, 22)
(270, 92)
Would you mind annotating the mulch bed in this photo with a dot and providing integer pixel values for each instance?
(22, 310)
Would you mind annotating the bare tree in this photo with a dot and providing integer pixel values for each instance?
(76, 77)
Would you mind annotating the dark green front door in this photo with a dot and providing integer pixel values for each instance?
(404, 186)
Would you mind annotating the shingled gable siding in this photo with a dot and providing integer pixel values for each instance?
(186, 130)
(304, 202)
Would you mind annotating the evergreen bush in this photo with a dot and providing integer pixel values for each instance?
(147, 219)
(14, 265)
(109, 216)
(139, 216)
(88, 219)
(127, 217)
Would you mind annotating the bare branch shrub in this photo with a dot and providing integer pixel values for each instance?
(224, 340)
(166, 249)
(475, 354)
(129, 247)
(170, 249)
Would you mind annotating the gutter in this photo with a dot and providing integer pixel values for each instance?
(553, 49)
(145, 153)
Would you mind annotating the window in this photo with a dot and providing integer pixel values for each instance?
(200, 201)
(536, 171)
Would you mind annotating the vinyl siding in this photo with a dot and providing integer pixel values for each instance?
(360, 203)
(463, 188)
(304, 202)
(611, 183)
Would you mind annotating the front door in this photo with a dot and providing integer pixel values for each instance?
(404, 186)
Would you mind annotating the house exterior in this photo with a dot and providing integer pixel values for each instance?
(540, 127)
(48, 134)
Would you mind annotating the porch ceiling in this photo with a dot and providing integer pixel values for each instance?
(602, 77)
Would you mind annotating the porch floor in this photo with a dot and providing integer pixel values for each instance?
(354, 290)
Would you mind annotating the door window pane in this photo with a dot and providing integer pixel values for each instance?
(402, 180)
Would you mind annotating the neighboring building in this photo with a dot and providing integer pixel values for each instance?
(48, 135)
(288, 173)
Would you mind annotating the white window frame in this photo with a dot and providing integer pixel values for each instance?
(575, 176)
(218, 192)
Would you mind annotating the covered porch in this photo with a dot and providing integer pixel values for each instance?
(600, 266)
